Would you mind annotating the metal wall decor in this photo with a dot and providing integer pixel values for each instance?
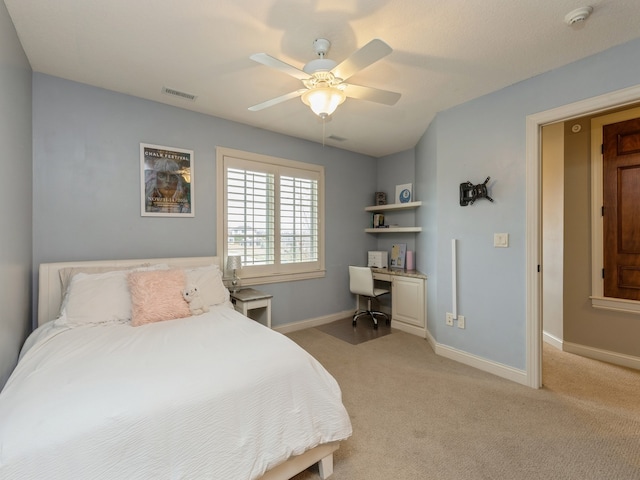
(469, 192)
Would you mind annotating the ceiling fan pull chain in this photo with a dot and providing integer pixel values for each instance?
(323, 124)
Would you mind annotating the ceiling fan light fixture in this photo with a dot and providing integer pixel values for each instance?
(319, 65)
(323, 100)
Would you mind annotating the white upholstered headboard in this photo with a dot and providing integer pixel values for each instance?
(50, 285)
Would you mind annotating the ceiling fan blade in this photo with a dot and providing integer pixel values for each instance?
(370, 53)
(280, 99)
(273, 62)
(372, 94)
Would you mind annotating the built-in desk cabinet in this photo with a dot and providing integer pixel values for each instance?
(408, 299)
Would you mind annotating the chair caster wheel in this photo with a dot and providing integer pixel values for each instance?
(375, 326)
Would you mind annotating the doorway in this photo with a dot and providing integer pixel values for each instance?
(534, 125)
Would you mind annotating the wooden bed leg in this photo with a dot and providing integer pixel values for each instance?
(325, 467)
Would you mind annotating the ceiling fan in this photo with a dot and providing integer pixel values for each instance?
(324, 80)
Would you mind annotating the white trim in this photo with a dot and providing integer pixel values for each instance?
(431, 340)
(312, 322)
(552, 340)
(608, 356)
(281, 278)
(533, 200)
(495, 368)
(616, 304)
(403, 327)
(533, 252)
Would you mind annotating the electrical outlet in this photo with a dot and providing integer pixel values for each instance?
(449, 319)
(461, 321)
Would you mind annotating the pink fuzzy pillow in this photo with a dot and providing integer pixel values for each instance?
(156, 296)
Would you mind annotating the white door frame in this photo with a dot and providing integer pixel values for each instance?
(534, 206)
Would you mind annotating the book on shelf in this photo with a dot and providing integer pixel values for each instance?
(378, 220)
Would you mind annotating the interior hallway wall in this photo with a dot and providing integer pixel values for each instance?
(553, 216)
(584, 326)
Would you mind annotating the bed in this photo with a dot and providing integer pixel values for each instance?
(211, 396)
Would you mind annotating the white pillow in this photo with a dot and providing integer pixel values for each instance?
(67, 275)
(209, 282)
(97, 299)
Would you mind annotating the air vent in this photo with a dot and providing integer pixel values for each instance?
(336, 138)
(177, 93)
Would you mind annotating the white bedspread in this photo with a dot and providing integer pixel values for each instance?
(217, 396)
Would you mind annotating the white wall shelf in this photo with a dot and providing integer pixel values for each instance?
(393, 206)
(393, 230)
(390, 207)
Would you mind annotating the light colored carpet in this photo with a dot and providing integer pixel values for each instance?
(416, 415)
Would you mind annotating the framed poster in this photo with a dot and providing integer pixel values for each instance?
(166, 177)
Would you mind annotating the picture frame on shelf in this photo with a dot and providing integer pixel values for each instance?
(404, 193)
(381, 198)
(398, 255)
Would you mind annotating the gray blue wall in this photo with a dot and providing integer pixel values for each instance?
(15, 195)
(397, 169)
(87, 188)
(486, 137)
(427, 218)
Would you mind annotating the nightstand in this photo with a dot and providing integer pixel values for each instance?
(247, 299)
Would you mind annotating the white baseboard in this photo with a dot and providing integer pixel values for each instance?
(603, 355)
(552, 340)
(431, 340)
(495, 368)
(312, 322)
(413, 330)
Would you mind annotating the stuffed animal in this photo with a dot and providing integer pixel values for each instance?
(196, 304)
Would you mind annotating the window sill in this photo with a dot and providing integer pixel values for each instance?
(285, 277)
(616, 304)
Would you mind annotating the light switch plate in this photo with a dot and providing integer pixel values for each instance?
(501, 240)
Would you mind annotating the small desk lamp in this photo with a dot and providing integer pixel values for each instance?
(234, 262)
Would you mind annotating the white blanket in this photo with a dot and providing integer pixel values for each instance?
(216, 396)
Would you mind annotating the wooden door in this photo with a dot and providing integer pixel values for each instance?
(621, 210)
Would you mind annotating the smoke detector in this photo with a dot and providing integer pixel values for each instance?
(578, 15)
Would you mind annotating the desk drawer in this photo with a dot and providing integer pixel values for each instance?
(385, 277)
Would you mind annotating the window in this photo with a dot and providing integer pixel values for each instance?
(270, 212)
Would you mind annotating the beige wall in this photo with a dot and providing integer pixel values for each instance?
(552, 232)
(584, 325)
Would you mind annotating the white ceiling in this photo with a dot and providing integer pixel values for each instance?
(445, 53)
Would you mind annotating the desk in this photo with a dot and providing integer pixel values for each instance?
(408, 299)
(247, 299)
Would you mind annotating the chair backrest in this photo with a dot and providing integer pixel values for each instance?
(361, 281)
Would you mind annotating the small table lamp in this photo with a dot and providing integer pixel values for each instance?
(234, 262)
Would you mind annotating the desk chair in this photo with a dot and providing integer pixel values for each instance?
(361, 283)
